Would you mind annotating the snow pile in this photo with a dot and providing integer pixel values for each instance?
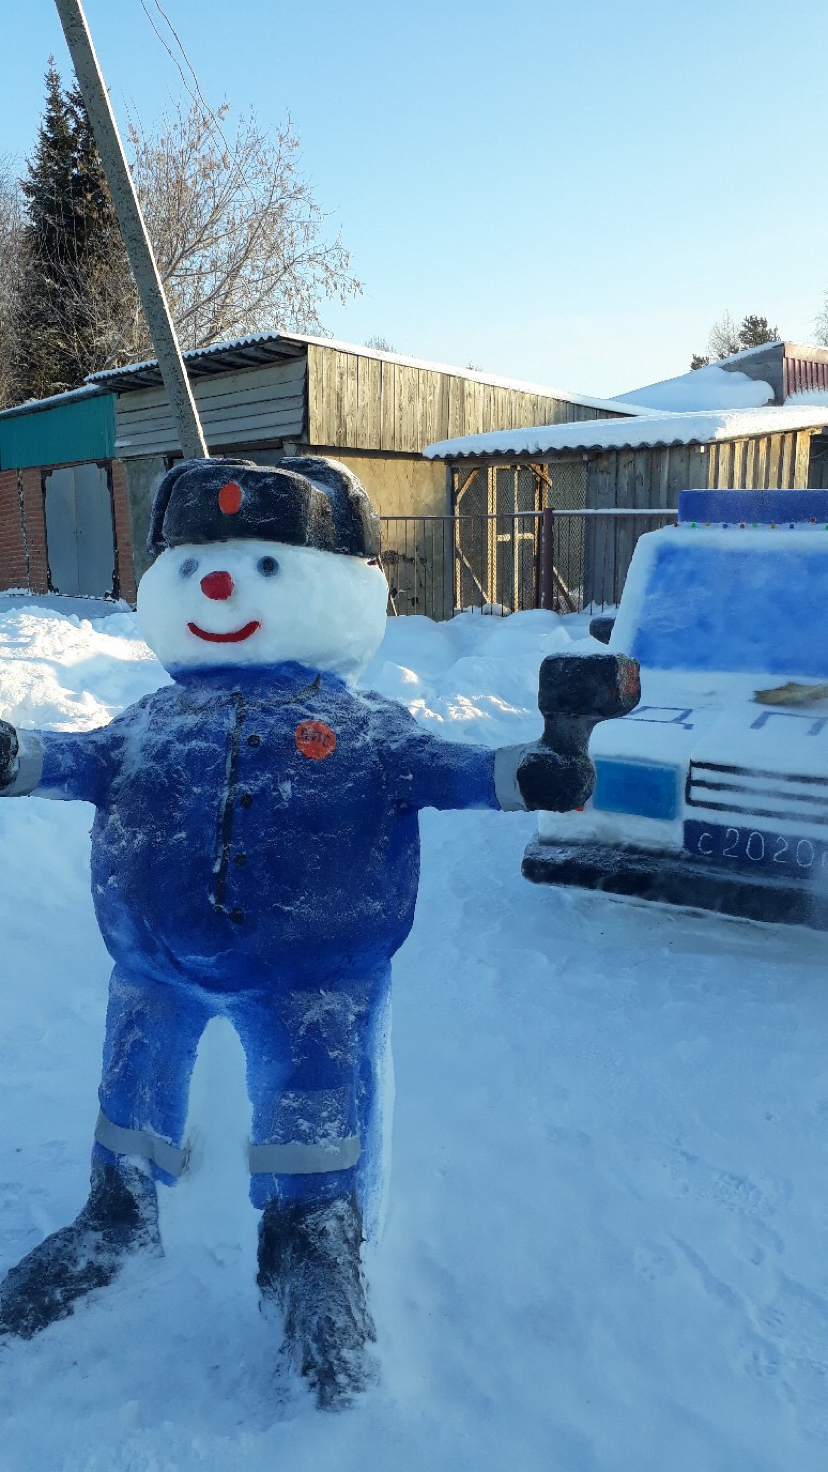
(712, 387)
(606, 1241)
(71, 673)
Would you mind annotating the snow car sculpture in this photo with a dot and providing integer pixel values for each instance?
(255, 854)
(704, 795)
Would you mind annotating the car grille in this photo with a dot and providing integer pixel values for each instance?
(725, 789)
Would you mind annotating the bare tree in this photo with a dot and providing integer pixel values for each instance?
(240, 241)
(723, 341)
(241, 244)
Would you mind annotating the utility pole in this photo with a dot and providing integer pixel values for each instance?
(133, 229)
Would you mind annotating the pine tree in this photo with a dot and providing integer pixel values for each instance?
(754, 331)
(46, 189)
(70, 234)
(95, 218)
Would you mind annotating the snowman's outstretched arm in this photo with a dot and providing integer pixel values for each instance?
(450, 774)
(73, 765)
(432, 773)
(554, 773)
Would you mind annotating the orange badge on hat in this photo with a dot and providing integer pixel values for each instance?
(230, 498)
(315, 739)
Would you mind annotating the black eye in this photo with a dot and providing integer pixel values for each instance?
(188, 567)
(267, 566)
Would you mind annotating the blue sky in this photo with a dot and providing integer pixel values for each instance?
(566, 193)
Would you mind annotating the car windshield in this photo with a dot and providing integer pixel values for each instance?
(738, 608)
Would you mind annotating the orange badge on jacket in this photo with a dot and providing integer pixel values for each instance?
(315, 739)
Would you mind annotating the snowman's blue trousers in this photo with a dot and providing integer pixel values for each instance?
(315, 1050)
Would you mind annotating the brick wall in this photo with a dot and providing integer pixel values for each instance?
(23, 557)
(123, 532)
(22, 531)
(13, 570)
(34, 513)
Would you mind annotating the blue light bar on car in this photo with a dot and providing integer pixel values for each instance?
(635, 787)
(742, 509)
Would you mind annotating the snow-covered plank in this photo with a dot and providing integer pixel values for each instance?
(657, 429)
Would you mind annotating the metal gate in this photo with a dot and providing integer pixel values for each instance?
(80, 541)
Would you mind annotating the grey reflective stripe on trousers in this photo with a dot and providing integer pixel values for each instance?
(140, 1142)
(296, 1159)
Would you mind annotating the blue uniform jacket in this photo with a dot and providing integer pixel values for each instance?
(253, 820)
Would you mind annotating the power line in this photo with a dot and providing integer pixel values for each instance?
(159, 7)
(208, 115)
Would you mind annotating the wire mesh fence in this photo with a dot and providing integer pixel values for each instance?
(569, 560)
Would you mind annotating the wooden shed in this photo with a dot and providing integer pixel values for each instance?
(278, 388)
(633, 465)
(261, 397)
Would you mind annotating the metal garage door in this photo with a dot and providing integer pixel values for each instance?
(80, 543)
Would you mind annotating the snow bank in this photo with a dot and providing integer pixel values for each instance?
(606, 1242)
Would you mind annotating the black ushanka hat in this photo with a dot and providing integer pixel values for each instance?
(306, 501)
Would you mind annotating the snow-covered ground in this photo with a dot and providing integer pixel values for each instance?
(607, 1243)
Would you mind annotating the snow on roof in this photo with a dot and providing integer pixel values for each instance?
(808, 397)
(88, 390)
(713, 387)
(264, 341)
(646, 430)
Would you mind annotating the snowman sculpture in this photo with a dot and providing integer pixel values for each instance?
(255, 856)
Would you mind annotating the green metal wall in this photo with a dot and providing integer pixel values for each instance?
(82, 429)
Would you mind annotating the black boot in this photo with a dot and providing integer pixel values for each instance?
(309, 1264)
(120, 1216)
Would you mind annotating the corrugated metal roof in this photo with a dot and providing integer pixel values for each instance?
(275, 346)
(222, 357)
(644, 432)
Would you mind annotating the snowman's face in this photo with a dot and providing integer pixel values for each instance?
(261, 603)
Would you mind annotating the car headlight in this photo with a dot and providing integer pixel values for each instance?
(636, 787)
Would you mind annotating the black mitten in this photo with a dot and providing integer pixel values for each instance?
(9, 747)
(553, 783)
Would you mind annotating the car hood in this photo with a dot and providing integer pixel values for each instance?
(716, 719)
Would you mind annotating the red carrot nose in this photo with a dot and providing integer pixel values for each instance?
(217, 585)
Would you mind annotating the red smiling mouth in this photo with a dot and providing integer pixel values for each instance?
(234, 637)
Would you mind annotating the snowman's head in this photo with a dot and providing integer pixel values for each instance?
(315, 594)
